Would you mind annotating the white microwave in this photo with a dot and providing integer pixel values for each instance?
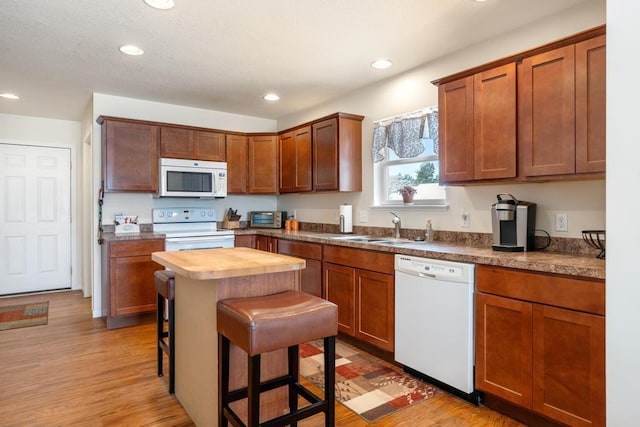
(192, 178)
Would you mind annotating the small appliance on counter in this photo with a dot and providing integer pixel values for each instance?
(267, 219)
(513, 222)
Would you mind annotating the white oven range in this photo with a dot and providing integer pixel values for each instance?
(190, 228)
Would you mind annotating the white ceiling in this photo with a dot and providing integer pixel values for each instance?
(226, 54)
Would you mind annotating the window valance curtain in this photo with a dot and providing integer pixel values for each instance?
(404, 133)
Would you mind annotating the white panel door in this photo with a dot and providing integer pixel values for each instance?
(35, 219)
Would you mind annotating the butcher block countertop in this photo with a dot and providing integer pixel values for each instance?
(223, 263)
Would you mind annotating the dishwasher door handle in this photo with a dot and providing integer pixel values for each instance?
(429, 275)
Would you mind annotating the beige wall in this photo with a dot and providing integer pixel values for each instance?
(584, 202)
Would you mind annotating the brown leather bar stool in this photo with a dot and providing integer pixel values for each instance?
(165, 288)
(262, 324)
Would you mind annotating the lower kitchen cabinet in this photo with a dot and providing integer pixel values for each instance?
(128, 276)
(245, 241)
(540, 343)
(266, 243)
(361, 283)
(312, 254)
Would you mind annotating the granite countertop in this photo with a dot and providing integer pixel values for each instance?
(112, 237)
(547, 262)
(541, 261)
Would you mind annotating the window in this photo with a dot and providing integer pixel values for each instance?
(407, 156)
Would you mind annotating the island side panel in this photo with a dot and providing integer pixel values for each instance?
(197, 345)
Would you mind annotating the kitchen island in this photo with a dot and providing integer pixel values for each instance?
(202, 278)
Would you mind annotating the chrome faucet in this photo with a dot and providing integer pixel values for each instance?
(398, 225)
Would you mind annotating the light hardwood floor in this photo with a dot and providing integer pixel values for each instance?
(73, 371)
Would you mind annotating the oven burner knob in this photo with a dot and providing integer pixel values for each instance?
(202, 213)
(161, 214)
(210, 213)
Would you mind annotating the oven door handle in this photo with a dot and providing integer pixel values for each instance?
(199, 239)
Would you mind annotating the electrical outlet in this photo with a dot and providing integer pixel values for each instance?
(363, 216)
(562, 222)
(294, 214)
(464, 219)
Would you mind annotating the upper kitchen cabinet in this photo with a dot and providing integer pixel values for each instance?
(478, 126)
(294, 148)
(237, 161)
(129, 155)
(547, 113)
(591, 105)
(539, 114)
(337, 153)
(192, 144)
(263, 164)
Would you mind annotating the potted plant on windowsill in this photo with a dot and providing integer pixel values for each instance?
(407, 192)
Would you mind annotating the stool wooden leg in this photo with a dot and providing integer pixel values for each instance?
(294, 377)
(330, 380)
(172, 346)
(223, 378)
(253, 417)
(159, 330)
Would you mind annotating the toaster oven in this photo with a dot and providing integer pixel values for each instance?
(267, 219)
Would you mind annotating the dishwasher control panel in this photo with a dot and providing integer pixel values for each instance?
(445, 270)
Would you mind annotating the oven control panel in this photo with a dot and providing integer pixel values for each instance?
(171, 215)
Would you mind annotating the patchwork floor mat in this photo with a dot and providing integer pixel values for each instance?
(23, 315)
(365, 384)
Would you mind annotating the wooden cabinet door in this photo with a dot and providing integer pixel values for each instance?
(547, 113)
(503, 348)
(340, 289)
(245, 241)
(176, 143)
(209, 146)
(312, 277)
(132, 288)
(237, 160)
(325, 155)
(494, 123)
(591, 105)
(266, 243)
(295, 161)
(455, 103)
(130, 156)
(263, 164)
(312, 254)
(569, 366)
(375, 308)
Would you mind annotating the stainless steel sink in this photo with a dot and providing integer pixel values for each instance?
(374, 239)
(363, 239)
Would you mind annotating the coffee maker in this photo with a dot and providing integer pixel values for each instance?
(513, 224)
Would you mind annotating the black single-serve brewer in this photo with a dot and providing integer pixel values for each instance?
(513, 223)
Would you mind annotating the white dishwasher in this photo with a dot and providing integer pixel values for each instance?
(434, 333)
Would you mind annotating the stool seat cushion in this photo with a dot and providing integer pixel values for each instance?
(165, 283)
(267, 323)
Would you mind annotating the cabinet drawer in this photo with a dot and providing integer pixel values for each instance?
(300, 249)
(586, 295)
(359, 258)
(135, 247)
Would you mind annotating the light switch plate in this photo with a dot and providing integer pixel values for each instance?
(363, 216)
(465, 219)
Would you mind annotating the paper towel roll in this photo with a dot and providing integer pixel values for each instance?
(346, 219)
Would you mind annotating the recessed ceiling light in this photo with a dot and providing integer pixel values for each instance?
(271, 97)
(160, 4)
(132, 50)
(9, 96)
(381, 64)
